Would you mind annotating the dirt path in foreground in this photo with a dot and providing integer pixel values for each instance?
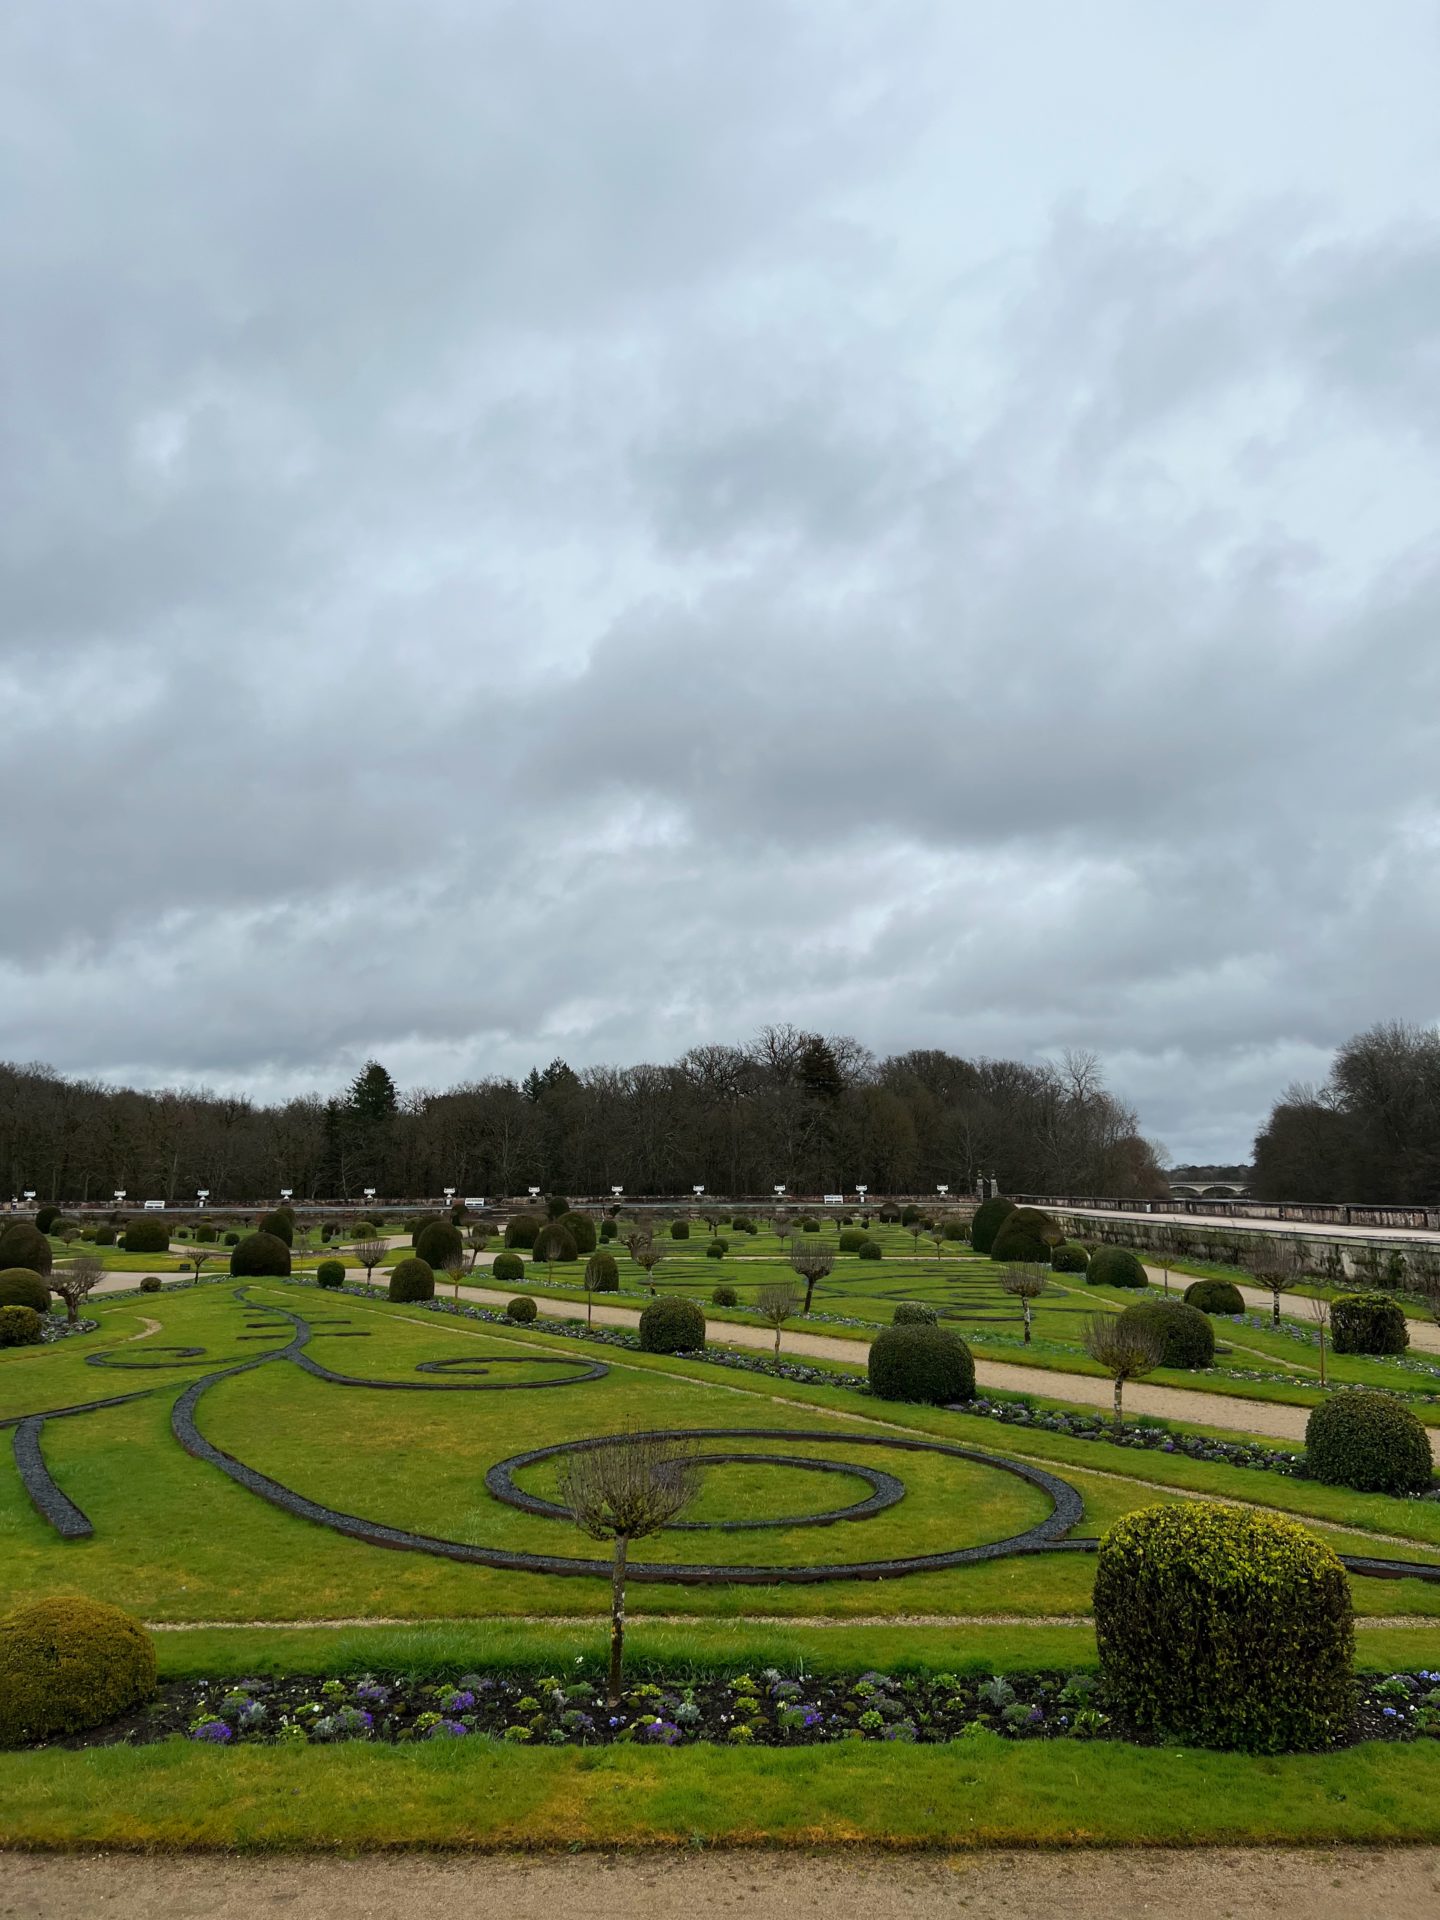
(1267, 1417)
(1254, 1884)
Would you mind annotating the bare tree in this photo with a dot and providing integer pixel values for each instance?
(625, 1489)
(647, 1254)
(915, 1229)
(1320, 1313)
(1277, 1265)
(454, 1266)
(75, 1283)
(813, 1263)
(1126, 1353)
(475, 1239)
(1025, 1283)
(782, 1226)
(936, 1232)
(199, 1258)
(369, 1253)
(775, 1304)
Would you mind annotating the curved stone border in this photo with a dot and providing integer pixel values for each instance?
(885, 1490)
(108, 1360)
(47, 1499)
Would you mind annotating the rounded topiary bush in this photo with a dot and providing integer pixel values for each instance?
(852, 1239)
(147, 1236)
(1368, 1323)
(556, 1205)
(1214, 1296)
(260, 1256)
(281, 1223)
(437, 1242)
(508, 1267)
(1370, 1441)
(717, 1249)
(521, 1308)
(954, 1228)
(23, 1287)
(521, 1229)
(871, 1250)
(330, 1273)
(581, 1229)
(990, 1216)
(724, 1297)
(913, 1313)
(602, 1273)
(21, 1245)
(20, 1327)
(412, 1279)
(810, 1226)
(1225, 1627)
(553, 1243)
(69, 1664)
(151, 1283)
(207, 1236)
(1068, 1257)
(1188, 1339)
(672, 1325)
(45, 1218)
(679, 1229)
(608, 1230)
(232, 1239)
(1026, 1236)
(929, 1365)
(1115, 1267)
(105, 1236)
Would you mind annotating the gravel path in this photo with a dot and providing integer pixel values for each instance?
(1393, 1883)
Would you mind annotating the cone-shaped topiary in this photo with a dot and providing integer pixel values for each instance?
(1115, 1267)
(69, 1664)
(672, 1325)
(1187, 1337)
(1224, 1627)
(990, 1216)
(23, 1287)
(22, 1246)
(508, 1267)
(929, 1365)
(1368, 1323)
(260, 1256)
(602, 1273)
(521, 1229)
(1369, 1441)
(330, 1273)
(913, 1313)
(437, 1241)
(412, 1279)
(1214, 1296)
(20, 1327)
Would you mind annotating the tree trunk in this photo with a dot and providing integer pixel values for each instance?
(617, 1619)
(809, 1291)
(1119, 1389)
(1027, 1322)
(1275, 1311)
(777, 1343)
(1322, 1356)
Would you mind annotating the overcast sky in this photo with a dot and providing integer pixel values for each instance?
(573, 528)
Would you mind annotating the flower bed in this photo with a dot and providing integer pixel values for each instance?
(769, 1709)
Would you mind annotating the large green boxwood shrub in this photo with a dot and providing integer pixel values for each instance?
(521, 1229)
(1370, 1441)
(22, 1246)
(69, 1664)
(1187, 1337)
(412, 1279)
(928, 1365)
(280, 1222)
(260, 1256)
(1368, 1323)
(20, 1327)
(1214, 1296)
(437, 1241)
(23, 1287)
(1069, 1257)
(990, 1216)
(146, 1236)
(672, 1325)
(45, 1218)
(553, 1243)
(1115, 1267)
(330, 1273)
(1224, 1627)
(581, 1229)
(522, 1309)
(1026, 1235)
(871, 1250)
(679, 1229)
(852, 1239)
(508, 1267)
(105, 1236)
(602, 1273)
(724, 1296)
(556, 1206)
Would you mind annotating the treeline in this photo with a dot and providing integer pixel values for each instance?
(818, 1115)
(1370, 1134)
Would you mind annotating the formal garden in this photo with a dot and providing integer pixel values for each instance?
(291, 1536)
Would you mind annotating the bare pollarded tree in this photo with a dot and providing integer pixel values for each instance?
(647, 1253)
(1025, 1283)
(369, 1253)
(77, 1282)
(475, 1238)
(1125, 1352)
(1320, 1313)
(813, 1262)
(622, 1489)
(775, 1304)
(1277, 1265)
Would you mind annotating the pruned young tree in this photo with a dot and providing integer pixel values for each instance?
(813, 1263)
(77, 1282)
(200, 1257)
(622, 1489)
(782, 1226)
(776, 1303)
(1125, 1352)
(647, 1255)
(369, 1253)
(1025, 1283)
(475, 1239)
(1276, 1265)
(936, 1232)
(1319, 1308)
(454, 1266)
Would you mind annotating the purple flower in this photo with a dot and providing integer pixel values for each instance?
(447, 1730)
(213, 1730)
(458, 1700)
(662, 1731)
(372, 1691)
